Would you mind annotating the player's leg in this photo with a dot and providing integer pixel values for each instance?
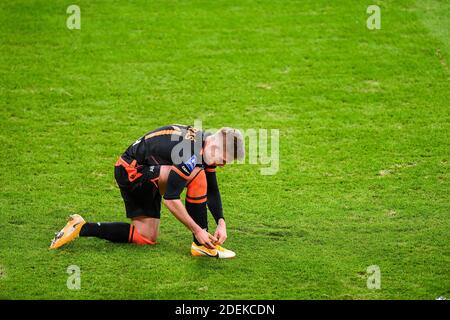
(143, 230)
(142, 206)
(196, 199)
(118, 232)
(146, 230)
(141, 199)
(77, 226)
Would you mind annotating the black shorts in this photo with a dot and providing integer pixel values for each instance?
(141, 194)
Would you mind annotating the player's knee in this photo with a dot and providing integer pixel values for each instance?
(143, 237)
(152, 236)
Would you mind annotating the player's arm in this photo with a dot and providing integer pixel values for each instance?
(176, 181)
(215, 205)
(214, 199)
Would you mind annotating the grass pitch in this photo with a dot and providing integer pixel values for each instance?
(364, 145)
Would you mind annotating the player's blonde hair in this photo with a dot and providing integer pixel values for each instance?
(233, 142)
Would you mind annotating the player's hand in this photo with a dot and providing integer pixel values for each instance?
(204, 238)
(221, 232)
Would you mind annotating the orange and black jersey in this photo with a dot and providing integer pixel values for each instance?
(182, 147)
(173, 144)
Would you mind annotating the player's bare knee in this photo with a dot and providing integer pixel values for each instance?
(152, 236)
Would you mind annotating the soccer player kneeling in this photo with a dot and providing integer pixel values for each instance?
(161, 164)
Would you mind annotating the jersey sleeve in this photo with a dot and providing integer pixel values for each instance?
(175, 185)
(178, 175)
(214, 200)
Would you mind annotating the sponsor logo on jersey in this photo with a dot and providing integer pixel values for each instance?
(189, 165)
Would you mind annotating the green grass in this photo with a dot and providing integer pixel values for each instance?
(364, 144)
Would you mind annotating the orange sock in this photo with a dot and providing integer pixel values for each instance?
(137, 238)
